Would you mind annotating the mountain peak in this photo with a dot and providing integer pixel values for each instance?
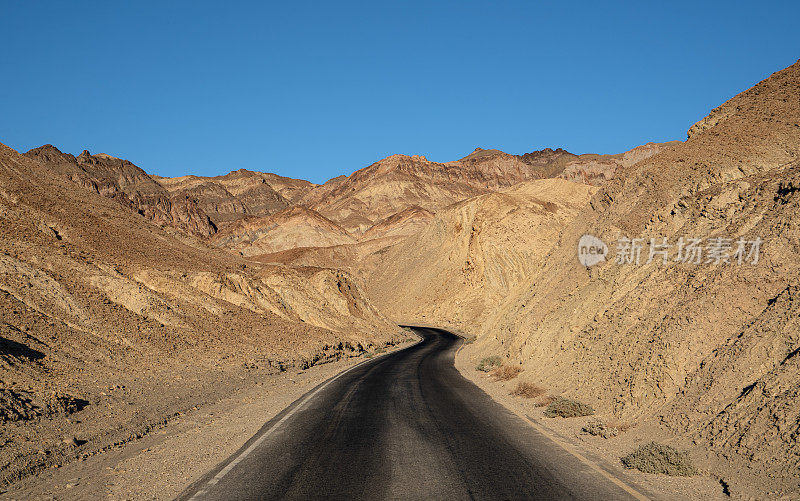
(49, 153)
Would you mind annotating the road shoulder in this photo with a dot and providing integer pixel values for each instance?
(600, 453)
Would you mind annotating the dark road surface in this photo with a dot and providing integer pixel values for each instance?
(403, 426)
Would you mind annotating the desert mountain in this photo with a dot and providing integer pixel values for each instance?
(394, 184)
(534, 165)
(394, 181)
(105, 314)
(710, 347)
(129, 185)
(390, 198)
(239, 193)
(588, 168)
(389, 186)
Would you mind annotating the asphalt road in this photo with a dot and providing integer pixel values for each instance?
(403, 426)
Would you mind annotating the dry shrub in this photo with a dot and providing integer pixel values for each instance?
(528, 390)
(606, 429)
(506, 372)
(544, 400)
(488, 363)
(564, 407)
(660, 458)
(599, 428)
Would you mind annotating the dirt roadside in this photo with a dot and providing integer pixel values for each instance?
(164, 462)
(599, 451)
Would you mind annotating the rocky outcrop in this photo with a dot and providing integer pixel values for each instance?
(374, 193)
(516, 168)
(130, 186)
(709, 346)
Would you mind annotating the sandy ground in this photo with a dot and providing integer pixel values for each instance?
(604, 453)
(164, 462)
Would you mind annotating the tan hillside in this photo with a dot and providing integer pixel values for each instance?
(288, 229)
(387, 187)
(493, 167)
(393, 197)
(110, 325)
(406, 222)
(474, 253)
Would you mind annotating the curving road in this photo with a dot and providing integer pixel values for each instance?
(404, 426)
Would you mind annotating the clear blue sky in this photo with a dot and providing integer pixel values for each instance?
(314, 90)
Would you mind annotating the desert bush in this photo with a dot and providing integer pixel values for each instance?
(606, 429)
(564, 407)
(528, 390)
(659, 458)
(506, 372)
(600, 429)
(489, 363)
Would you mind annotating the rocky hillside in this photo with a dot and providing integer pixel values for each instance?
(390, 198)
(238, 193)
(110, 324)
(408, 221)
(291, 228)
(598, 169)
(389, 186)
(505, 166)
(129, 185)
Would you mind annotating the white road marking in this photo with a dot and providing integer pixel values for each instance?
(199, 494)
